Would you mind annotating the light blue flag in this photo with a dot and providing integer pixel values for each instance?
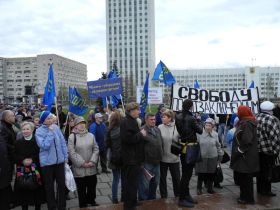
(252, 85)
(49, 93)
(114, 73)
(163, 74)
(196, 84)
(144, 98)
(77, 104)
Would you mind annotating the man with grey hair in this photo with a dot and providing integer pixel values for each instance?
(153, 151)
(7, 140)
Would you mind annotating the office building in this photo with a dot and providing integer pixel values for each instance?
(130, 38)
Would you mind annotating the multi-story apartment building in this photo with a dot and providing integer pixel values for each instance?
(25, 78)
(131, 40)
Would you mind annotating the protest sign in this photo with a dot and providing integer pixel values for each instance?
(214, 101)
(154, 95)
(104, 87)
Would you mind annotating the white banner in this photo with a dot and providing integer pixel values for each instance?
(154, 95)
(215, 102)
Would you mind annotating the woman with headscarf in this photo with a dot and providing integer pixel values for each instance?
(245, 159)
(211, 154)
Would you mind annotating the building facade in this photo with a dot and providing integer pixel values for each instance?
(130, 38)
(23, 79)
(265, 78)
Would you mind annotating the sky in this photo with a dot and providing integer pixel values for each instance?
(190, 34)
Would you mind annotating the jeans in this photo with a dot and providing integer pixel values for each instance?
(222, 130)
(118, 175)
(147, 189)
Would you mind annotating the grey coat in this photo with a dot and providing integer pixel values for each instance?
(211, 152)
(169, 133)
(86, 150)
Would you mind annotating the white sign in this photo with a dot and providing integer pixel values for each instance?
(215, 102)
(154, 95)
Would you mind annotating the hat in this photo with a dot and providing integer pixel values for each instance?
(267, 106)
(210, 121)
(44, 115)
(79, 120)
(98, 115)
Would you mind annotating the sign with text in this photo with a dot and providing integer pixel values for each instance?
(154, 95)
(215, 102)
(104, 87)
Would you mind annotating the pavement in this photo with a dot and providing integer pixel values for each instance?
(223, 198)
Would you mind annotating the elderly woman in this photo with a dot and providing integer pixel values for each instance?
(83, 152)
(244, 158)
(27, 157)
(211, 154)
(169, 161)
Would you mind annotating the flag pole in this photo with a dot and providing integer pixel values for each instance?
(64, 127)
(107, 104)
(122, 103)
(57, 115)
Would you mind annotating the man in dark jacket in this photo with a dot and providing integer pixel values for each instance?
(132, 152)
(187, 127)
(7, 140)
(153, 150)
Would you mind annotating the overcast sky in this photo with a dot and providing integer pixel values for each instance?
(189, 33)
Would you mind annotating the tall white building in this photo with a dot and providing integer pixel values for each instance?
(131, 40)
(265, 78)
(25, 77)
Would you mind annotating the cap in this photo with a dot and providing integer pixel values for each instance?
(98, 115)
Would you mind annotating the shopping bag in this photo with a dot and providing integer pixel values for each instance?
(69, 179)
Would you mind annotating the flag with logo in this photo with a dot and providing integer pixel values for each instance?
(252, 85)
(77, 103)
(163, 74)
(49, 93)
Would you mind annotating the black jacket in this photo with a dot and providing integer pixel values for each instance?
(276, 112)
(132, 142)
(7, 140)
(188, 127)
(113, 142)
(245, 139)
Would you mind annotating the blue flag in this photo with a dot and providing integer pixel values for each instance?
(115, 101)
(163, 74)
(196, 84)
(114, 73)
(104, 102)
(49, 93)
(144, 98)
(252, 85)
(77, 104)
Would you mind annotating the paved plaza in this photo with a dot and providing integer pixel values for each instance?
(223, 199)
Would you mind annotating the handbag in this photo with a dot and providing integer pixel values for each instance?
(27, 178)
(275, 173)
(219, 177)
(193, 154)
(176, 146)
(226, 157)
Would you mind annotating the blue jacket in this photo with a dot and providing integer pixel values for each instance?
(53, 149)
(99, 133)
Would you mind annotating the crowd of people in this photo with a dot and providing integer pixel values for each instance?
(35, 145)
